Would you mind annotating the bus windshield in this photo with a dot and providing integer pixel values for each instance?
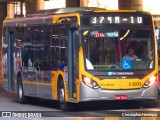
(118, 48)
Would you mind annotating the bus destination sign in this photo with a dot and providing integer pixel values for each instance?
(116, 20)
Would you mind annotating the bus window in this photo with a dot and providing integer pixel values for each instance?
(106, 48)
(27, 51)
(100, 48)
(58, 47)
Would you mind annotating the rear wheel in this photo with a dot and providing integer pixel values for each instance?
(21, 97)
(65, 106)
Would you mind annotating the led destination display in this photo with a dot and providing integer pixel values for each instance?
(116, 20)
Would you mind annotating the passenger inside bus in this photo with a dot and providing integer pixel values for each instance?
(130, 56)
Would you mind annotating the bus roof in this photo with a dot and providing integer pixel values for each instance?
(64, 11)
(46, 16)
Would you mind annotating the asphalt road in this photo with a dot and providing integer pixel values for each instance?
(49, 110)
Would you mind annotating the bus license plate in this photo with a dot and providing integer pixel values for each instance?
(121, 97)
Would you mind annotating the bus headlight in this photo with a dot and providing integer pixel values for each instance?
(89, 82)
(151, 81)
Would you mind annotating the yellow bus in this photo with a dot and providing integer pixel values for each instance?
(81, 54)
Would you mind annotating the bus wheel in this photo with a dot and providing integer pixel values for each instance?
(65, 106)
(159, 90)
(21, 97)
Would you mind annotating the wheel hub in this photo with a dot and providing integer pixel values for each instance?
(61, 95)
(20, 91)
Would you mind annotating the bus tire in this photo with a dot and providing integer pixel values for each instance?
(65, 106)
(159, 90)
(22, 99)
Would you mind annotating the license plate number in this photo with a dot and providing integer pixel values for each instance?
(121, 97)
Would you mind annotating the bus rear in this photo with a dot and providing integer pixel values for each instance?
(108, 73)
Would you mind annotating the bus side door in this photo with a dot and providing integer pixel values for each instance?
(72, 60)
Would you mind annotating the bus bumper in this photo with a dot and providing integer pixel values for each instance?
(89, 94)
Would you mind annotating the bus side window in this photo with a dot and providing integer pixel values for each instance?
(62, 58)
(27, 52)
(25, 58)
(37, 61)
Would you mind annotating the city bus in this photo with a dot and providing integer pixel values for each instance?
(76, 55)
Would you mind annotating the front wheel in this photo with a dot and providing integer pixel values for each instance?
(65, 106)
(21, 97)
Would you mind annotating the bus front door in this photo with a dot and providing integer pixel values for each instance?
(72, 61)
